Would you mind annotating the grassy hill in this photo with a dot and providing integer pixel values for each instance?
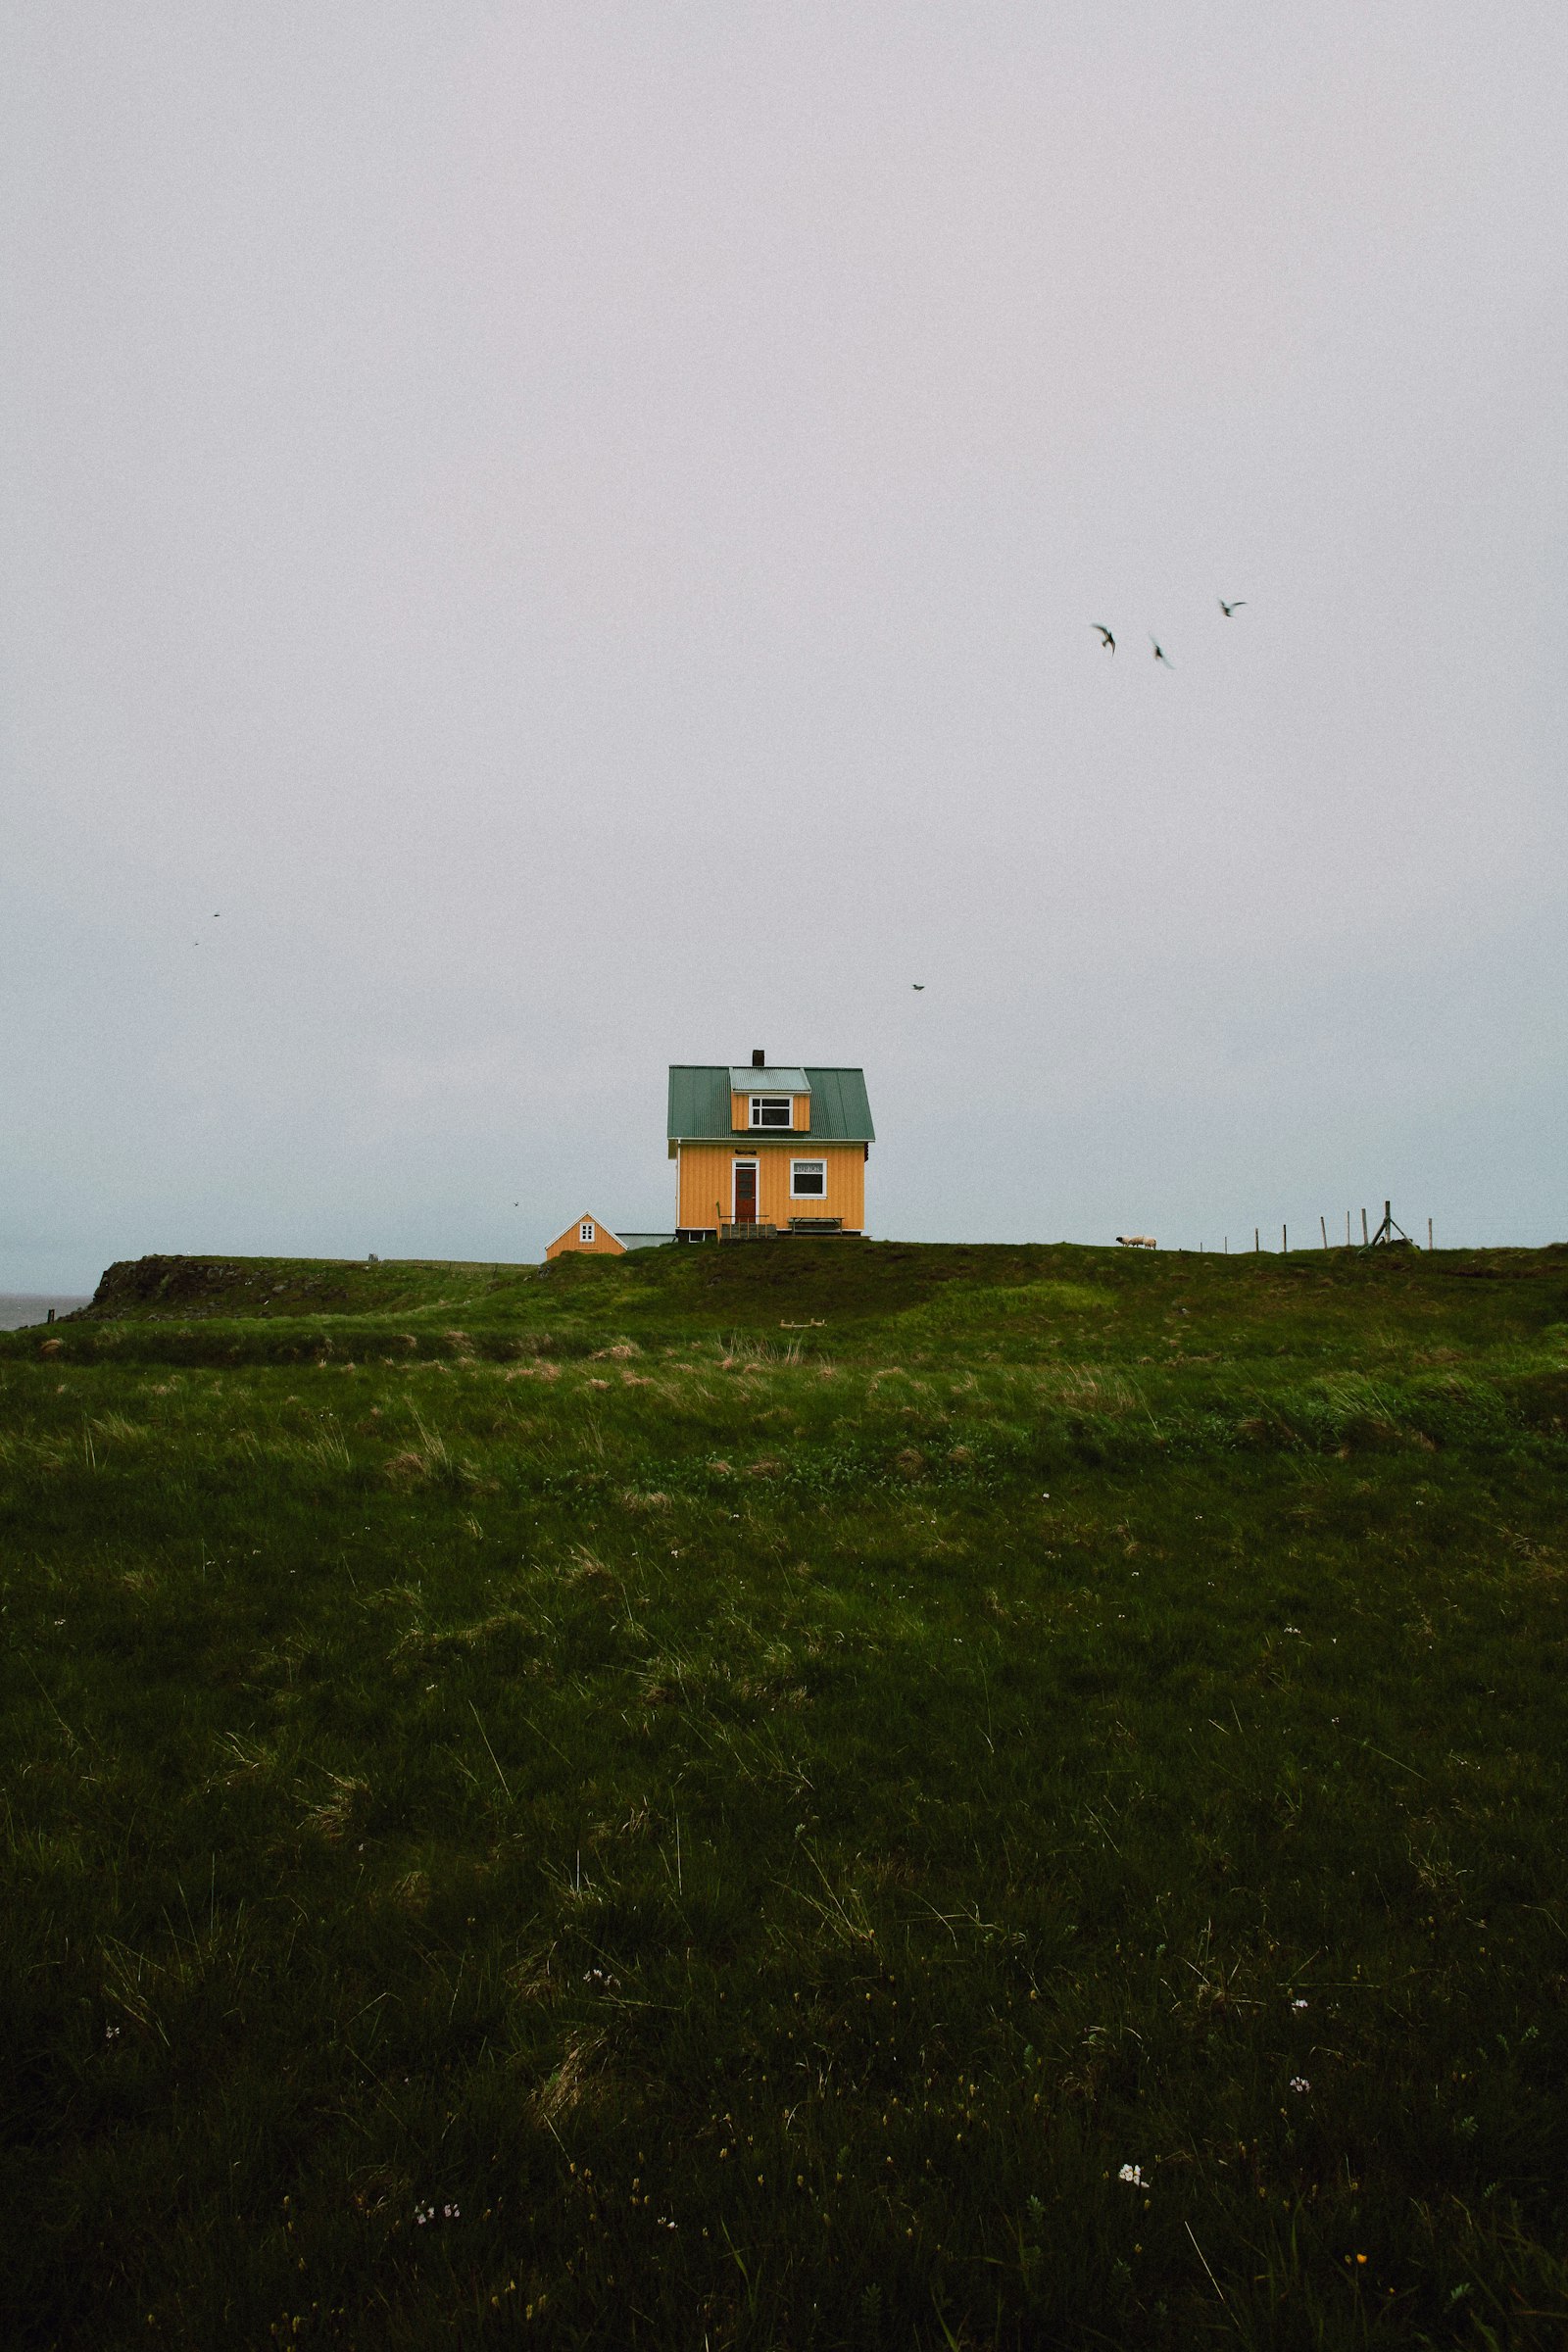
(814, 1794)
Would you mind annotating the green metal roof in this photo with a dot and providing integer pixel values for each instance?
(700, 1111)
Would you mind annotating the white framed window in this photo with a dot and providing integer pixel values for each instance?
(808, 1179)
(773, 1111)
(585, 1231)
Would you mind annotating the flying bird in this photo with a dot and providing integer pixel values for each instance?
(1107, 640)
(1159, 653)
(1228, 609)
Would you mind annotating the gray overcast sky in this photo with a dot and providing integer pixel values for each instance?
(573, 531)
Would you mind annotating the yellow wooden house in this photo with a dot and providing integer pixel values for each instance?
(590, 1233)
(768, 1148)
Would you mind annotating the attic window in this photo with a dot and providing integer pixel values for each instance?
(585, 1231)
(773, 1111)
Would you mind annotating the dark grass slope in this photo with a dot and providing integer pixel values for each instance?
(725, 1795)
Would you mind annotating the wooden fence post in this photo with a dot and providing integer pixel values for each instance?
(1323, 1221)
(1364, 1242)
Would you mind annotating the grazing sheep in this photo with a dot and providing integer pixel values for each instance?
(1137, 1241)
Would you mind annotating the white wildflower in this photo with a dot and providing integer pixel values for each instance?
(1133, 2174)
(1299, 2082)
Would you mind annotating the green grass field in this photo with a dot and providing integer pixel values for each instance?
(821, 1795)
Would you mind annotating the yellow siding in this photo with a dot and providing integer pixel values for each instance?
(740, 1115)
(846, 1185)
(708, 1184)
(602, 1245)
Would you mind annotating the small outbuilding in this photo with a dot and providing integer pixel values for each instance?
(587, 1234)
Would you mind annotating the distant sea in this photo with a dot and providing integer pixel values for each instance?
(18, 1309)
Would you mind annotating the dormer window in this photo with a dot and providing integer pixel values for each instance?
(773, 1111)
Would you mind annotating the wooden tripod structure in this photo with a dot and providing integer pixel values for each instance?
(1388, 1233)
